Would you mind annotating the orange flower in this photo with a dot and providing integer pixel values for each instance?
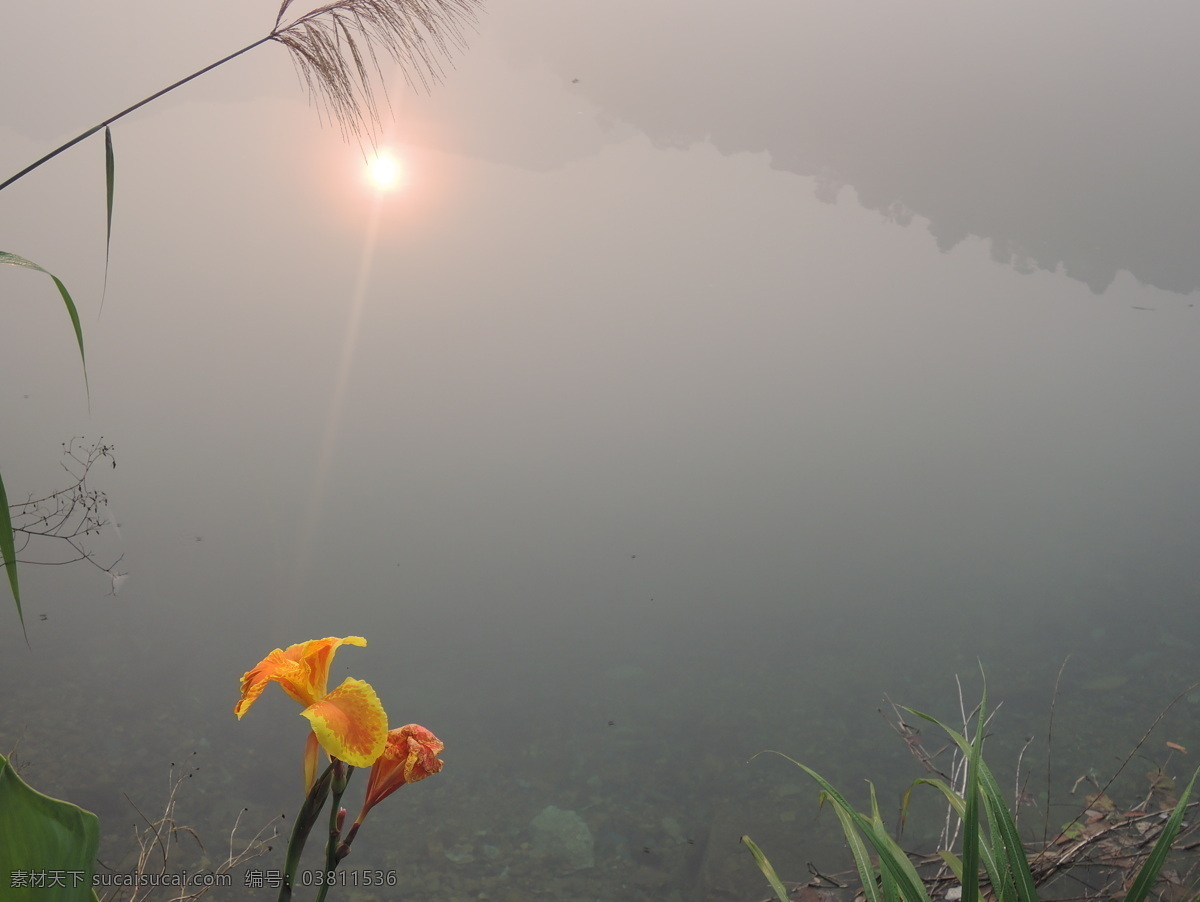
(410, 755)
(349, 722)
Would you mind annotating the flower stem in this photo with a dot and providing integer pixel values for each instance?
(337, 816)
(313, 803)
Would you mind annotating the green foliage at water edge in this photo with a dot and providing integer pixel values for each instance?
(997, 847)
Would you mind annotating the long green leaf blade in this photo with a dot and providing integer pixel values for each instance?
(862, 859)
(890, 890)
(953, 862)
(970, 849)
(8, 551)
(1158, 855)
(1026, 891)
(110, 170)
(1009, 837)
(768, 871)
(891, 856)
(960, 809)
(13, 260)
(1004, 862)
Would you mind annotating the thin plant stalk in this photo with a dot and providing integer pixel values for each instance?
(1050, 750)
(313, 803)
(125, 112)
(337, 815)
(324, 44)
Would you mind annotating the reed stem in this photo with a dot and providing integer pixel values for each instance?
(141, 103)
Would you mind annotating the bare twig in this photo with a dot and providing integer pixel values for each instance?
(1050, 748)
(159, 838)
(912, 738)
(56, 527)
(1019, 793)
(1120, 770)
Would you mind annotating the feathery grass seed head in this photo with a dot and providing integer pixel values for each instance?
(334, 49)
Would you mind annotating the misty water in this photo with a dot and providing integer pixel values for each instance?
(669, 413)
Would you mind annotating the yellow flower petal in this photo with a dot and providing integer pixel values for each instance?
(302, 670)
(311, 748)
(350, 723)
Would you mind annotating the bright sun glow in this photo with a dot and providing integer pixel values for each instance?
(383, 172)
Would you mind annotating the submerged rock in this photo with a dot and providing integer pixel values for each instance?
(563, 837)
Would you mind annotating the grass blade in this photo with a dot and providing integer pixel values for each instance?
(970, 843)
(1158, 855)
(1008, 837)
(8, 552)
(862, 859)
(1004, 861)
(891, 856)
(765, 866)
(13, 260)
(990, 864)
(953, 862)
(109, 174)
(890, 890)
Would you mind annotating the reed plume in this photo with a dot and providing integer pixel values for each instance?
(334, 47)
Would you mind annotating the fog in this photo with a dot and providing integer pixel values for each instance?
(782, 356)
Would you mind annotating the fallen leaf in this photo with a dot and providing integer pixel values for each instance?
(1100, 802)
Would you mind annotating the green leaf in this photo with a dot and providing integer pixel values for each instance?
(862, 859)
(109, 173)
(892, 859)
(765, 866)
(44, 837)
(955, 800)
(1002, 821)
(954, 863)
(1007, 839)
(1073, 830)
(960, 809)
(970, 843)
(886, 881)
(1001, 861)
(8, 551)
(13, 260)
(1150, 870)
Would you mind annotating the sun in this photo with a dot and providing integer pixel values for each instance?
(383, 172)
